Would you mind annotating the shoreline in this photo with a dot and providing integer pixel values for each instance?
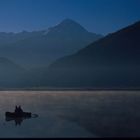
(69, 89)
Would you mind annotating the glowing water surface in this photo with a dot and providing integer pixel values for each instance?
(72, 113)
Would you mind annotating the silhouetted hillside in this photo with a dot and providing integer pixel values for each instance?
(10, 73)
(113, 61)
(38, 48)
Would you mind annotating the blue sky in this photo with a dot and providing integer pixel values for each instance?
(100, 16)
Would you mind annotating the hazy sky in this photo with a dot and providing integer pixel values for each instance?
(100, 16)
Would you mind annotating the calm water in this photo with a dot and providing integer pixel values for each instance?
(72, 114)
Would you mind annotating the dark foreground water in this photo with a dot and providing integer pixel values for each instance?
(72, 114)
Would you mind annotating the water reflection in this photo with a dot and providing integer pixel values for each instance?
(19, 120)
(61, 114)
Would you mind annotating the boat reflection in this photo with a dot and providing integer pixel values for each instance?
(19, 120)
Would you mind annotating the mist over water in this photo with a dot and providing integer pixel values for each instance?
(72, 113)
(49, 106)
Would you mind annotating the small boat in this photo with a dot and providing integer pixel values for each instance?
(18, 115)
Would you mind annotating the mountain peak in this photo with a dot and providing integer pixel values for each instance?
(69, 25)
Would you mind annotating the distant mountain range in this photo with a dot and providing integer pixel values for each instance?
(111, 62)
(10, 73)
(39, 48)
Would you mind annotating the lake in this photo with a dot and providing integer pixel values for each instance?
(72, 114)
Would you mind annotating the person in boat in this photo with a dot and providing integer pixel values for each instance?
(18, 109)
